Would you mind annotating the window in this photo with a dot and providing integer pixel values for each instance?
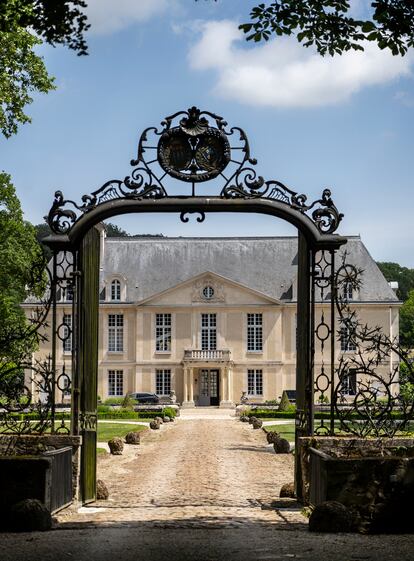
(66, 383)
(163, 332)
(67, 293)
(349, 383)
(208, 332)
(67, 333)
(115, 333)
(115, 382)
(255, 382)
(347, 291)
(163, 382)
(347, 343)
(116, 290)
(208, 292)
(254, 332)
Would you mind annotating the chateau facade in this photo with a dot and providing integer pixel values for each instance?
(210, 318)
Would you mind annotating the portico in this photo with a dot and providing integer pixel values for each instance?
(208, 378)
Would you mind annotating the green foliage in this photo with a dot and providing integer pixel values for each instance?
(113, 401)
(407, 322)
(406, 382)
(403, 275)
(22, 73)
(104, 409)
(128, 402)
(22, 275)
(58, 22)
(285, 404)
(43, 230)
(24, 25)
(272, 413)
(118, 414)
(169, 412)
(331, 27)
(114, 231)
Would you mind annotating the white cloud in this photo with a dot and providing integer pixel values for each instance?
(109, 16)
(282, 73)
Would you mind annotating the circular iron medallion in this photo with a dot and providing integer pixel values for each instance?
(193, 157)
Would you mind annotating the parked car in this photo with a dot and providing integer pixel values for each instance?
(291, 395)
(143, 397)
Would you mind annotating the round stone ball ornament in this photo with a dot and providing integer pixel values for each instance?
(193, 151)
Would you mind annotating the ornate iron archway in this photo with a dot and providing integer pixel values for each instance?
(195, 148)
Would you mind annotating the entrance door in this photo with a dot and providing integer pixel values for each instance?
(209, 390)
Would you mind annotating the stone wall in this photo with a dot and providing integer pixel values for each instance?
(30, 445)
(373, 478)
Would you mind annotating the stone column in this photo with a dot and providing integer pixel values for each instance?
(191, 385)
(185, 396)
(229, 384)
(224, 381)
(188, 388)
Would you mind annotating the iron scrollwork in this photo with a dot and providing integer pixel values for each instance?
(194, 146)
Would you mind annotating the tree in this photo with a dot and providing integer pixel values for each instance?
(21, 275)
(407, 322)
(330, 26)
(24, 25)
(403, 275)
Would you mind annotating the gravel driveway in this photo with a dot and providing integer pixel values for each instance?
(202, 489)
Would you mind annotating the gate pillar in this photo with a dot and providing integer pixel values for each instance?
(304, 354)
(86, 373)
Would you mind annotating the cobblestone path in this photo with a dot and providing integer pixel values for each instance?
(198, 471)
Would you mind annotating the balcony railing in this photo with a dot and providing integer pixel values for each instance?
(204, 356)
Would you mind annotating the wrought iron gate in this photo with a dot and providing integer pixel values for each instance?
(194, 147)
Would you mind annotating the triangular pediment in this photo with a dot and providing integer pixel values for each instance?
(209, 288)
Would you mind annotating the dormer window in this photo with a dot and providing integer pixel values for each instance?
(115, 290)
(348, 291)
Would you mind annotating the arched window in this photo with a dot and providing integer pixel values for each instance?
(116, 290)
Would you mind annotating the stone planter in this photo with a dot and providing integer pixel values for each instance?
(373, 478)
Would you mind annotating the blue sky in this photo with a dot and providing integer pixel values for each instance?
(344, 123)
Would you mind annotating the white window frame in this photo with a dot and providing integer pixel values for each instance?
(116, 333)
(116, 290)
(255, 382)
(163, 333)
(115, 383)
(348, 291)
(67, 333)
(346, 386)
(254, 336)
(163, 381)
(208, 331)
(347, 346)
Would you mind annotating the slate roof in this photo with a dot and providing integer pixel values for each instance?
(266, 264)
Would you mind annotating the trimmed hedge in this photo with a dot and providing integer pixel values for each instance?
(106, 412)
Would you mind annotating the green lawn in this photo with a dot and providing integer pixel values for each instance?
(286, 431)
(106, 431)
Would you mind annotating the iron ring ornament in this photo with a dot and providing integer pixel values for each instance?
(194, 147)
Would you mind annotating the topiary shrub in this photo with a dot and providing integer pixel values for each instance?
(102, 493)
(116, 446)
(287, 491)
(30, 515)
(272, 436)
(285, 404)
(331, 517)
(133, 437)
(281, 446)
